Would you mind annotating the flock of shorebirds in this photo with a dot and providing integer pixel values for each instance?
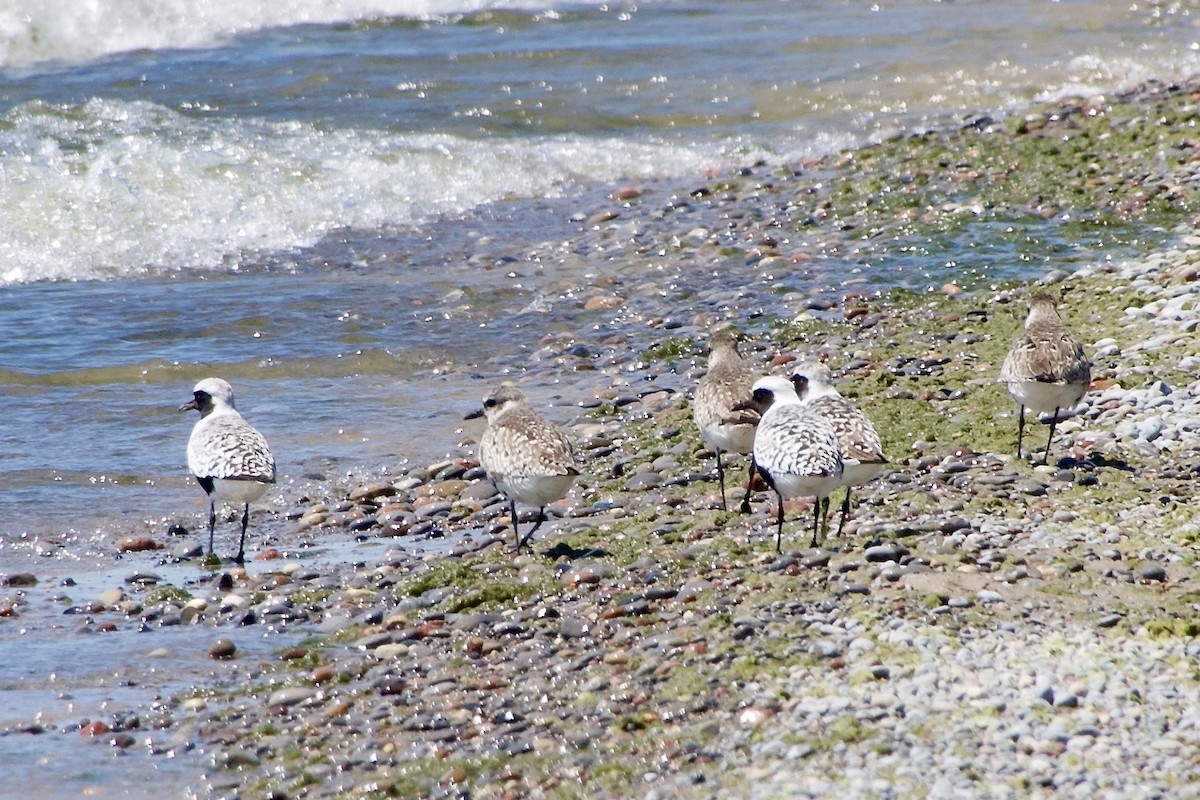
(803, 438)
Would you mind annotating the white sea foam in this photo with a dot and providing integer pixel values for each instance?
(35, 31)
(1087, 75)
(112, 188)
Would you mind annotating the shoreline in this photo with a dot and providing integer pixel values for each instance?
(985, 626)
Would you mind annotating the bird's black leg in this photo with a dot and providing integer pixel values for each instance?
(745, 509)
(824, 519)
(212, 522)
(512, 511)
(816, 522)
(541, 518)
(241, 556)
(1020, 429)
(779, 524)
(1053, 422)
(845, 511)
(721, 478)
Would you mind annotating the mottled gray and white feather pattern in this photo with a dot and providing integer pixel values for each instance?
(223, 445)
(856, 435)
(726, 383)
(791, 439)
(529, 458)
(1046, 367)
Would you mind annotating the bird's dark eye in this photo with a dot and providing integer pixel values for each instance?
(491, 402)
(762, 395)
(202, 397)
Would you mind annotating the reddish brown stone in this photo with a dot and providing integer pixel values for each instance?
(779, 359)
(602, 302)
(137, 544)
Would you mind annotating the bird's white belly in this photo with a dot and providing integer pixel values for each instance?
(535, 490)
(790, 485)
(238, 492)
(1041, 396)
(857, 473)
(729, 438)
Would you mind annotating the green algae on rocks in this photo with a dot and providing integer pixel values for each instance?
(659, 690)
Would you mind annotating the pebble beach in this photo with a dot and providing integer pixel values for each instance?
(984, 628)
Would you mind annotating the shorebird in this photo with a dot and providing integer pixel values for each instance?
(726, 383)
(529, 459)
(1045, 368)
(795, 450)
(230, 459)
(862, 450)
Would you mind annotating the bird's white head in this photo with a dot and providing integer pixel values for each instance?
(772, 390)
(812, 380)
(209, 395)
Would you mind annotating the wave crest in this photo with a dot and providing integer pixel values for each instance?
(110, 188)
(34, 32)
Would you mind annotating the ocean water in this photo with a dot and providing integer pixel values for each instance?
(290, 193)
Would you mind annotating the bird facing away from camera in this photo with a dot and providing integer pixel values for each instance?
(862, 449)
(1045, 369)
(795, 449)
(727, 382)
(230, 459)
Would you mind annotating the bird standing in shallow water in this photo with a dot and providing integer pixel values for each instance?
(795, 450)
(529, 459)
(230, 459)
(862, 450)
(1045, 369)
(726, 383)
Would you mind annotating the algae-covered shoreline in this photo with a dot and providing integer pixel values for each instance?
(985, 627)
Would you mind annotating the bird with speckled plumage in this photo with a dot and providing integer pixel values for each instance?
(795, 450)
(727, 382)
(228, 457)
(859, 442)
(530, 460)
(1045, 369)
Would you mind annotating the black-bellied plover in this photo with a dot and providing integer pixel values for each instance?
(529, 459)
(862, 450)
(230, 459)
(795, 449)
(1045, 369)
(726, 383)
